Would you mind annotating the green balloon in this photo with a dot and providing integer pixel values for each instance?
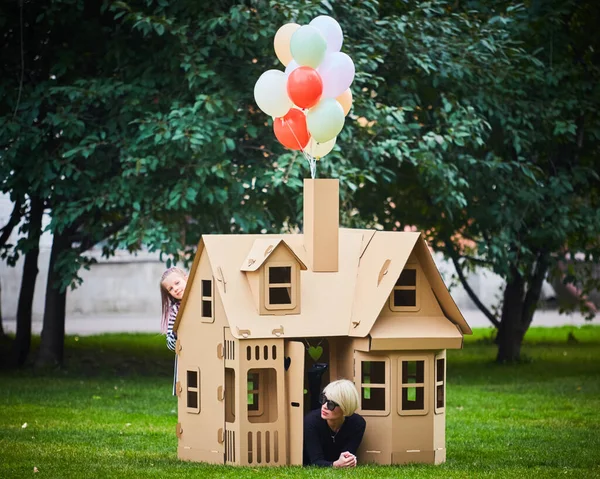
(308, 46)
(325, 120)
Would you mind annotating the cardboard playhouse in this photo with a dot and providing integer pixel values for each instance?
(268, 320)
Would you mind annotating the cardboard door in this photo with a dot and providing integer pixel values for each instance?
(294, 386)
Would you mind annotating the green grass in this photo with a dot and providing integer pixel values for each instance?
(110, 414)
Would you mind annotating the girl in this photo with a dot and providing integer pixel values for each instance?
(172, 287)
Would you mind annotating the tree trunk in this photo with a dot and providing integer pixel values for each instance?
(53, 329)
(30, 271)
(2, 333)
(510, 333)
(5, 343)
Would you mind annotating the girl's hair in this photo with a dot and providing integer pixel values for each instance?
(166, 297)
(344, 393)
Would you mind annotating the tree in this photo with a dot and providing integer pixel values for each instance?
(142, 123)
(144, 132)
(500, 174)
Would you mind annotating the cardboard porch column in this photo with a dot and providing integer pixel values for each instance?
(321, 223)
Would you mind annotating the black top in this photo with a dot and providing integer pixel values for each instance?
(322, 446)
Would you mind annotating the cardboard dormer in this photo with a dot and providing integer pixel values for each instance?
(321, 224)
(273, 272)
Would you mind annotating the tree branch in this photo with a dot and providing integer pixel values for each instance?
(476, 260)
(88, 241)
(468, 288)
(13, 221)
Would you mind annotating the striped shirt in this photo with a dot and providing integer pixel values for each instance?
(172, 338)
(171, 335)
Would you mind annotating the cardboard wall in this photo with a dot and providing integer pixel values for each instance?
(199, 432)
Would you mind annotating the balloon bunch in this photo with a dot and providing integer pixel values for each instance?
(310, 100)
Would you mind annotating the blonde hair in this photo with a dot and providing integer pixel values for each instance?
(344, 393)
(166, 297)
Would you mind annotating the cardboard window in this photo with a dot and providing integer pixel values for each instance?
(373, 386)
(253, 391)
(280, 274)
(413, 372)
(440, 384)
(206, 311)
(405, 295)
(280, 296)
(408, 277)
(206, 288)
(193, 391)
(413, 387)
(404, 298)
(262, 395)
(280, 286)
(229, 395)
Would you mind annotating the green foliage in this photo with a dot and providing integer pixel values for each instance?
(110, 413)
(475, 121)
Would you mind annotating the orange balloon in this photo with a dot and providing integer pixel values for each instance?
(291, 130)
(281, 43)
(305, 87)
(345, 99)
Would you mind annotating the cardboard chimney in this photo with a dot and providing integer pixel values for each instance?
(322, 224)
(260, 311)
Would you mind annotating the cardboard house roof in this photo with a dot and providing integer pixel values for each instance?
(342, 303)
(262, 249)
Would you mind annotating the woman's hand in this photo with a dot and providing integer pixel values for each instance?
(346, 459)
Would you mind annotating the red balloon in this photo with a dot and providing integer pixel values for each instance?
(291, 130)
(305, 87)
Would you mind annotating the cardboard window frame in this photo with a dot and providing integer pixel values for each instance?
(292, 285)
(439, 382)
(260, 392)
(211, 318)
(416, 288)
(425, 385)
(359, 359)
(196, 390)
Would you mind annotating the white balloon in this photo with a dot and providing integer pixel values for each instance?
(337, 72)
(319, 150)
(270, 93)
(331, 30)
(291, 66)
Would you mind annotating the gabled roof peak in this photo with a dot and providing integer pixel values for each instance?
(262, 248)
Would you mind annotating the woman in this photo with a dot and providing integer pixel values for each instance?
(333, 433)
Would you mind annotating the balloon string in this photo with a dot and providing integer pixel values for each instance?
(312, 163)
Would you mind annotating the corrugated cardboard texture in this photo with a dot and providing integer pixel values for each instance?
(321, 223)
(370, 297)
(248, 343)
(409, 334)
(446, 301)
(262, 249)
(351, 298)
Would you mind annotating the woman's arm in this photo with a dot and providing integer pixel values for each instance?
(312, 446)
(356, 434)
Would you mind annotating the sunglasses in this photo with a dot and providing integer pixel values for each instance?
(329, 404)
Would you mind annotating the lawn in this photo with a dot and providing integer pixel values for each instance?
(109, 413)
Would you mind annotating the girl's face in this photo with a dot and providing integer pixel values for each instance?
(175, 285)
